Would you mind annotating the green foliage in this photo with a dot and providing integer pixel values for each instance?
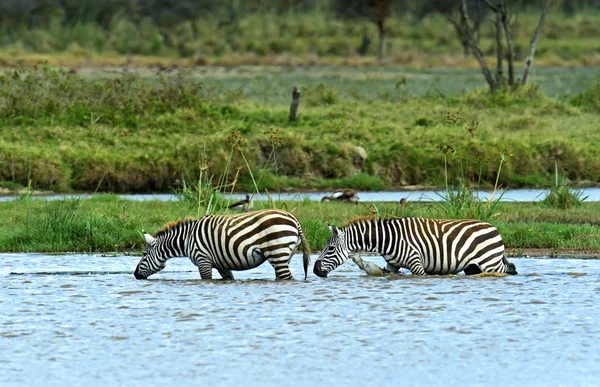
(259, 31)
(562, 195)
(202, 196)
(463, 202)
(10, 185)
(360, 181)
(321, 95)
(528, 95)
(107, 223)
(588, 99)
(44, 92)
(538, 235)
(135, 133)
(63, 225)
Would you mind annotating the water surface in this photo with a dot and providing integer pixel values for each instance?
(513, 195)
(84, 320)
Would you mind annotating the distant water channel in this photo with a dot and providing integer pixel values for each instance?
(516, 195)
(84, 320)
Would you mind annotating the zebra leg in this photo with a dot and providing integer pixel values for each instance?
(205, 270)
(280, 262)
(391, 268)
(415, 265)
(472, 269)
(226, 274)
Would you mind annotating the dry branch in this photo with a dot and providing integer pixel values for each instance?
(536, 38)
(476, 51)
(499, 66)
(509, 44)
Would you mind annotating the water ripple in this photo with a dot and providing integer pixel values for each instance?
(104, 327)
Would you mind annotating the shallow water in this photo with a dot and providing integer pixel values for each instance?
(513, 195)
(84, 320)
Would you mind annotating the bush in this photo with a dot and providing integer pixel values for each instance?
(589, 99)
(562, 195)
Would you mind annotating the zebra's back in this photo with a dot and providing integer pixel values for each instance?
(244, 241)
(450, 246)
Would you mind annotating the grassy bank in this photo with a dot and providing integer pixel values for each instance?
(292, 38)
(107, 223)
(125, 133)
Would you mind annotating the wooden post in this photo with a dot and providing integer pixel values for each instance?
(295, 104)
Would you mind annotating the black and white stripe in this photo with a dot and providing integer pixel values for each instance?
(424, 246)
(228, 242)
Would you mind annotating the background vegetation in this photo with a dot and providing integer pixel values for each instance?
(108, 223)
(64, 132)
(192, 33)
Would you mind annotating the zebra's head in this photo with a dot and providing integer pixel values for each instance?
(152, 260)
(334, 254)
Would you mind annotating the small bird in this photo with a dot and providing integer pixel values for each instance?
(343, 195)
(243, 205)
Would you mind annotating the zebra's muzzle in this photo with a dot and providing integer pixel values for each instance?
(137, 273)
(318, 269)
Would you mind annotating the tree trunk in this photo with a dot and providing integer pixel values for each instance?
(536, 38)
(476, 51)
(465, 44)
(381, 28)
(499, 68)
(384, 9)
(509, 45)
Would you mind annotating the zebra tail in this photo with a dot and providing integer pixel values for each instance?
(306, 255)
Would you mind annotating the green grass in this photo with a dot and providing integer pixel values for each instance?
(67, 132)
(108, 223)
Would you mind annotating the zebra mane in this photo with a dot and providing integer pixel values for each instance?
(172, 225)
(369, 218)
(360, 220)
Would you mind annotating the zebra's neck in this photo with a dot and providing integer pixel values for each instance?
(366, 235)
(173, 241)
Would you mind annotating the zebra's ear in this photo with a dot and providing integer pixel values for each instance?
(149, 238)
(334, 230)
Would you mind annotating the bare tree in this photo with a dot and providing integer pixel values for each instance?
(501, 25)
(464, 14)
(448, 10)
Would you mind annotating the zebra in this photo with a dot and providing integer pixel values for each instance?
(226, 243)
(424, 246)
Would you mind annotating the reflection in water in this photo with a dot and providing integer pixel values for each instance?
(105, 327)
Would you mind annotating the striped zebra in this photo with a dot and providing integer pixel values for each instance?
(424, 246)
(226, 243)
